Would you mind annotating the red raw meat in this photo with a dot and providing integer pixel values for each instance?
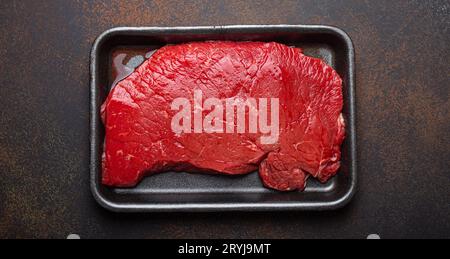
(137, 114)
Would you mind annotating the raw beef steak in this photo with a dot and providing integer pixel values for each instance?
(139, 113)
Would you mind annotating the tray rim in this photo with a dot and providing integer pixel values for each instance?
(341, 202)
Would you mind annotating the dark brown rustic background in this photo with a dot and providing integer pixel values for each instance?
(403, 127)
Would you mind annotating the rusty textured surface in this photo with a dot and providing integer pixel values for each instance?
(403, 117)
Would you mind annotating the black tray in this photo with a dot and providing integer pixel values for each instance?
(199, 192)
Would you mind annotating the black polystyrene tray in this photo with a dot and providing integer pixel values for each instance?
(200, 192)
